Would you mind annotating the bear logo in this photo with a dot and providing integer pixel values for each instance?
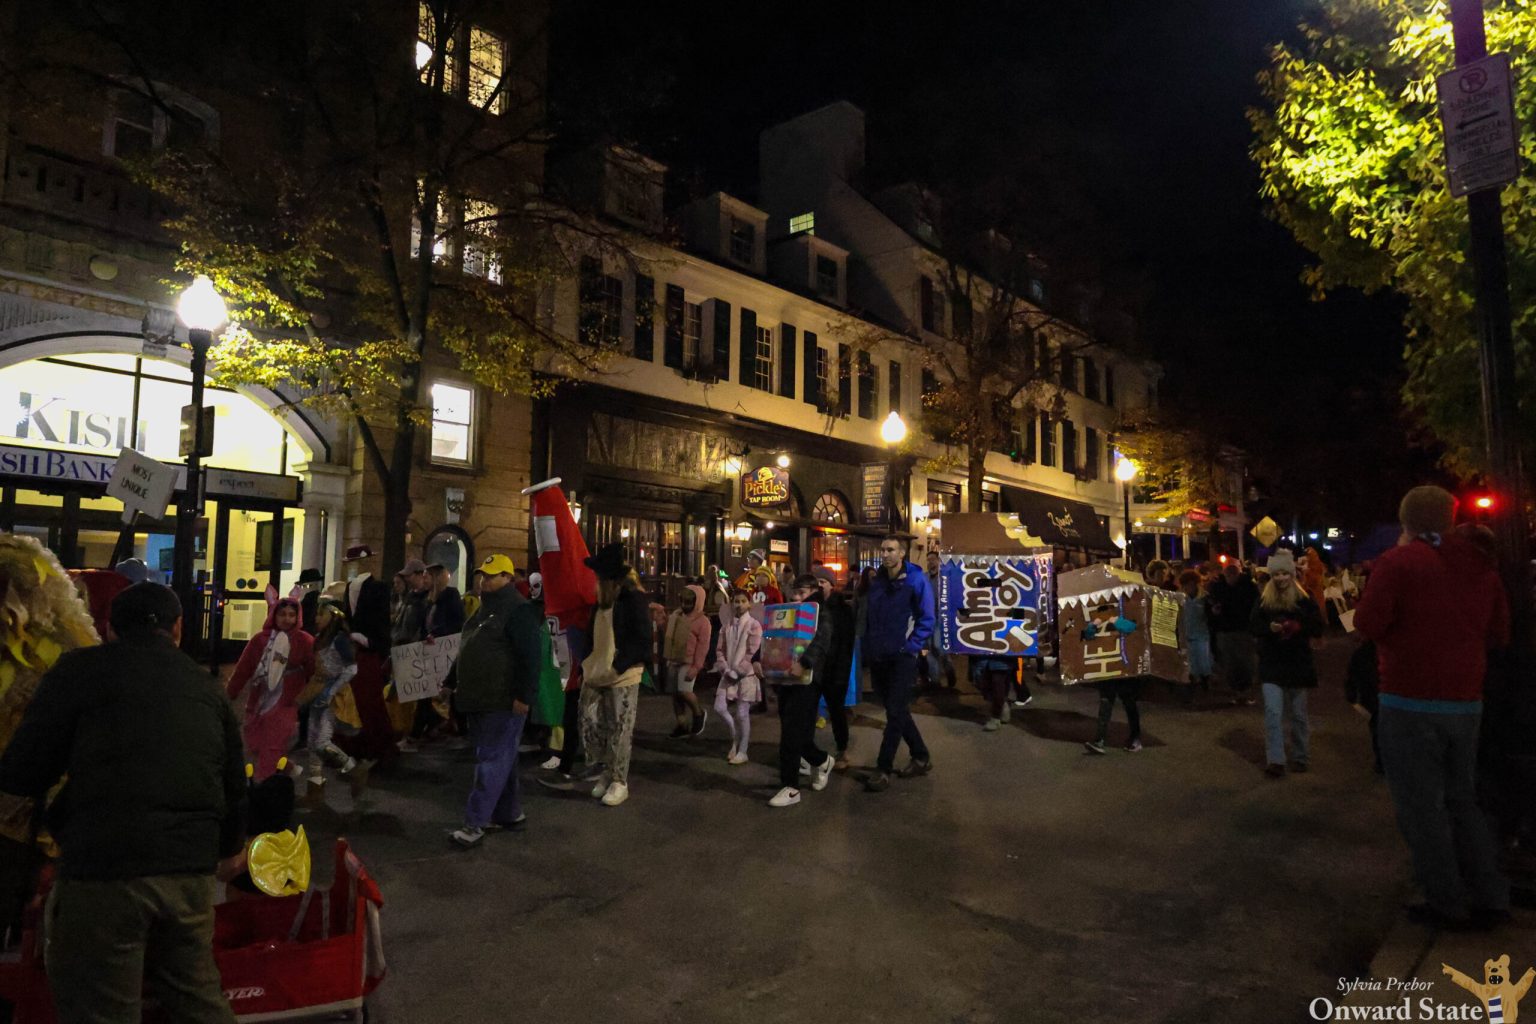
(1501, 997)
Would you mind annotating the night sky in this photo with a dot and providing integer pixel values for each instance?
(1126, 119)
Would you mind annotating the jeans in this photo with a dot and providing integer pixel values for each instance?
(496, 795)
(1126, 691)
(1235, 652)
(1282, 703)
(109, 940)
(1430, 758)
(894, 679)
(797, 732)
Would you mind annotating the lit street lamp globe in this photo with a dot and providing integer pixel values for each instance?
(1126, 470)
(200, 308)
(894, 429)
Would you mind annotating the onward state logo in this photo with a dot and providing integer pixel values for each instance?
(1500, 997)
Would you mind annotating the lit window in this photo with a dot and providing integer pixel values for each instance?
(426, 46)
(442, 245)
(743, 241)
(487, 62)
(480, 256)
(762, 370)
(453, 410)
(805, 223)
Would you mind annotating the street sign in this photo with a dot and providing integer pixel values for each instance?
(1477, 110)
(141, 483)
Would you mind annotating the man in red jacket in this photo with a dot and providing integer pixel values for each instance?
(1434, 607)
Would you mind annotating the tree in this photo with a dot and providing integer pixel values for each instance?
(1352, 160)
(392, 215)
(1182, 467)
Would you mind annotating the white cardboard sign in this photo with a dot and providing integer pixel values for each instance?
(420, 668)
(141, 483)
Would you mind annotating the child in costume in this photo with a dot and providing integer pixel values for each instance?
(278, 662)
(335, 667)
(685, 649)
(1196, 623)
(739, 686)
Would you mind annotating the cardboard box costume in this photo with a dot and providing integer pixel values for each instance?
(1113, 625)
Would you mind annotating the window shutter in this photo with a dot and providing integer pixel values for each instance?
(672, 353)
(893, 386)
(722, 342)
(811, 392)
(787, 352)
(844, 380)
(748, 366)
(645, 318)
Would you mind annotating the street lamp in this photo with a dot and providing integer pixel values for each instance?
(893, 431)
(1125, 472)
(202, 312)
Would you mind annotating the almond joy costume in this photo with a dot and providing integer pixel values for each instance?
(276, 664)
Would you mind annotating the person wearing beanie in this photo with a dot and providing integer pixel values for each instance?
(150, 810)
(798, 697)
(1434, 607)
(621, 647)
(1285, 620)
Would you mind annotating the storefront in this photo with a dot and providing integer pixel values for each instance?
(69, 417)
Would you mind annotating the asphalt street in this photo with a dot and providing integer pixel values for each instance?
(1023, 880)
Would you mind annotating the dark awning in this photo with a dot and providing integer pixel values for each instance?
(1058, 521)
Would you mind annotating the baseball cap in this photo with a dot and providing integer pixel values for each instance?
(412, 566)
(144, 608)
(495, 565)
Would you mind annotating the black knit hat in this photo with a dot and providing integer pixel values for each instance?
(144, 608)
(609, 562)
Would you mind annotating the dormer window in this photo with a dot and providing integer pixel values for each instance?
(826, 276)
(743, 241)
(803, 224)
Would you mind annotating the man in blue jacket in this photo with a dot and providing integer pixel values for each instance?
(899, 626)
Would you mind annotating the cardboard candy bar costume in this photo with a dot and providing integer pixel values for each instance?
(994, 587)
(1112, 625)
(787, 631)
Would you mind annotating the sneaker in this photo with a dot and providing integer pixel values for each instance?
(1007, 712)
(346, 768)
(517, 825)
(467, 837)
(823, 774)
(1023, 703)
(1275, 771)
(552, 764)
(407, 746)
(916, 769)
(678, 732)
(617, 794)
(1096, 747)
(1133, 747)
(698, 723)
(878, 782)
(785, 797)
(738, 757)
(559, 782)
(316, 780)
(805, 767)
(600, 791)
(993, 724)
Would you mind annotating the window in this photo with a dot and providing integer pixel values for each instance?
(803, 224)
(1091, 379)
(844, 380)
(932, 303)
(426, 46)
(1109, 385)
(480, 256)
(830, 508)
(893, 386)
(826, 276)
(453, 411)
(693, 333)
(601, 305)
(613, 308)
(442, 244)
(989, 501)
(943, 499)
(487, 62)
(478, 80)
(1068, 446)
(1037, 289)
(138, 127)
(866, 387)
(1068, 365)
(823, 371)
(1047, 441)
(743, 241)
(762, 363)
(963, 315)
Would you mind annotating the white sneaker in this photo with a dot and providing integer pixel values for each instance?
(601, 789)
(1007, 712)
(823, 774)
(739, 757)
(993, 724)
(805, 767)
(346, 769)
(785, 797)
(316, 780)
(617, 794)
(467, 836)
(551, 764)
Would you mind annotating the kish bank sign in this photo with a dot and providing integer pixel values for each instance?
(43, 418)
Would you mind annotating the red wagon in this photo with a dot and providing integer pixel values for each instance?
(314, 956)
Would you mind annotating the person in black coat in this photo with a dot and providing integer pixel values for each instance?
(1285, 622)
(837, 609)
(621, 648)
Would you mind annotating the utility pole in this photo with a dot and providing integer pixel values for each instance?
(1496, 352)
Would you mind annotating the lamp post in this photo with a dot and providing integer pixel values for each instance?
(893, 431)
(1125, 472)
(202, 312)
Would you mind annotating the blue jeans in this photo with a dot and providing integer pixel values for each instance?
(894, 679)
(1285, 702)
(496, 795)
(1430, 759)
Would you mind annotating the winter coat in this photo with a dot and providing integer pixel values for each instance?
(740, 641)
(445, 615)
(1364, 679)
(899, 614)
(1285, 658)
(367, 608)
(838, 611)
(1434, 612)
(688, 636)
(633, 630)
(153, 758)
(1231, 604)
(410, 622)
(499, 660)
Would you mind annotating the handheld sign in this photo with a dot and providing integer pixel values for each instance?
(141, 484)
(420, 668)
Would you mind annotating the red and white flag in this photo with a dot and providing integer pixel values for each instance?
(570, 587)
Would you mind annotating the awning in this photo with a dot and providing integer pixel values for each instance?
(1059, 521)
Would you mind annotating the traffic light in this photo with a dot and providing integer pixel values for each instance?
(1484, 502)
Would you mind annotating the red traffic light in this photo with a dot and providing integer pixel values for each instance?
(1484, 502)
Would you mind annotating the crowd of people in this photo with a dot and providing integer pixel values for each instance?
(157, 764)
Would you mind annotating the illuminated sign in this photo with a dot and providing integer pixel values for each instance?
(767, 487)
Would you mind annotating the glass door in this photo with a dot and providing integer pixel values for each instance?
(253, 549)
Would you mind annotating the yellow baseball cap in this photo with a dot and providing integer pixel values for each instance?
(495, 565)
